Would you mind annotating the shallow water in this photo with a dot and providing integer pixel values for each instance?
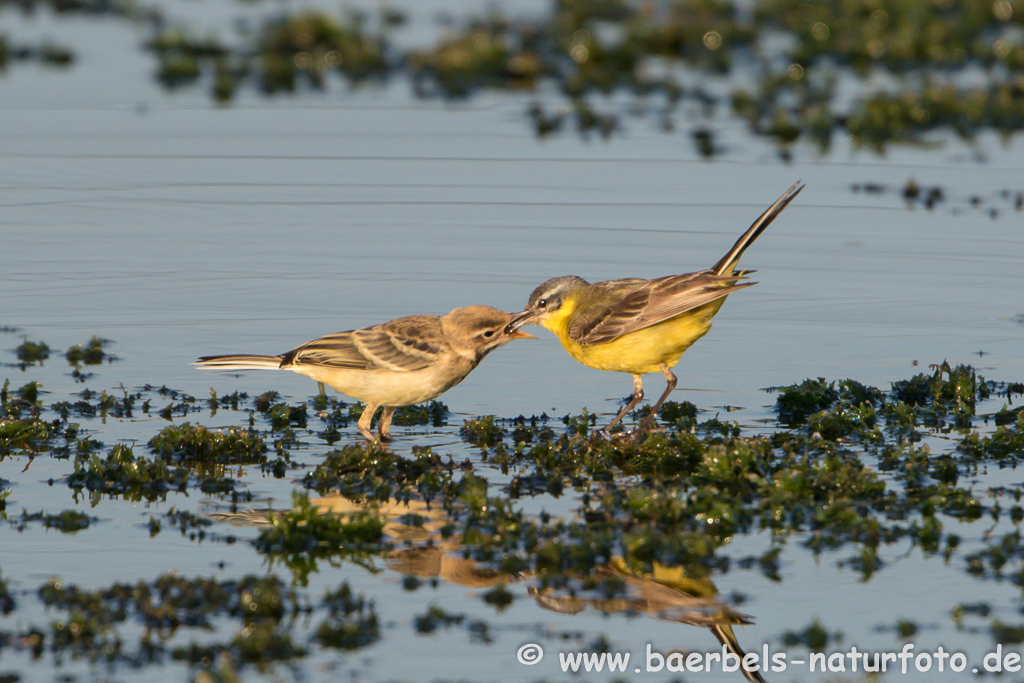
(182, 233)
(178, 229)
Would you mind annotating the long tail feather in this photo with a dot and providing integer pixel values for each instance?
(726, 636)
(239, 361)
(728, 262)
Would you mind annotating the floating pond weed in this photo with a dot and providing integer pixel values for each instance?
(90, 353)
(351, 623)
(32, 353)
(793, 71)
(193, 444)
(556, 516)
(301, 536)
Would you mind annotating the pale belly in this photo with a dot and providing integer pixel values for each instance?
(385, 387)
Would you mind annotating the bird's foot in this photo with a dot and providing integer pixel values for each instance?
(630, 435)
(613, 437)
(377, 444)
(647, 425)
(376, 439)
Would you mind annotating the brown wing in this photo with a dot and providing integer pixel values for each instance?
(603, 298)
(403, 345)
(654, 302)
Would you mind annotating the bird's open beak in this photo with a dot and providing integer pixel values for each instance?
(519, 334)
(518, 320)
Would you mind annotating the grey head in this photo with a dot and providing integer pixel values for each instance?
(550, 295)
(546, 299)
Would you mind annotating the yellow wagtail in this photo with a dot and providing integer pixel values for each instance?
(638, 326)
(398, 363)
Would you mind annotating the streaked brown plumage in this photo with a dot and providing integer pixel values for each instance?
(401, 362)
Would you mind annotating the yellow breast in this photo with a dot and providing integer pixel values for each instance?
(641, 351)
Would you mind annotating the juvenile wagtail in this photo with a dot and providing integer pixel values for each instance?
(638, 326)
(397, 363)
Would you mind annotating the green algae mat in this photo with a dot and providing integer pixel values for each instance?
(539, 510)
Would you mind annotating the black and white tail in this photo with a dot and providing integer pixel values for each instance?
(239, 361)
(728, 262)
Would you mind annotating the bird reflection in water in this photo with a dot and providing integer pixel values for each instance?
(420, 550)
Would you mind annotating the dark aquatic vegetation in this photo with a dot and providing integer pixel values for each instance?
(814, 637)
(25, 436)
(43, 52)
(68, 521)
(90, 353)
(850, 474)
(482, 432)
(796, 403)
(300, 537)
(499, 596)
(122, 473)
(31, 353)
(436, 618)
(291, 51)
(191, 444)
(433, 413)
(351, 622)
(264, 608)
(357, 471)
(797, 53)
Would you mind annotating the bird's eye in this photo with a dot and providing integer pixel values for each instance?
(488, 334)
(542, 303)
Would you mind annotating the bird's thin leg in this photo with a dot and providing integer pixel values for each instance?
(671, 379)
(323, 393)
(384, 426)
(638, 395)
(366, 419)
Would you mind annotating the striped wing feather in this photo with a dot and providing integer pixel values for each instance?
(618, 307)
(651, 303)
(604, 299)
(401, 345)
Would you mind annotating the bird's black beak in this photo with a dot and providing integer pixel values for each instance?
(518, 320)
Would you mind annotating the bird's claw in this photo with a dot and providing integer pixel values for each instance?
(613, 437)
(631, 435)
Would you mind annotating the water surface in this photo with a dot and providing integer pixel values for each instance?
(178, 229)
